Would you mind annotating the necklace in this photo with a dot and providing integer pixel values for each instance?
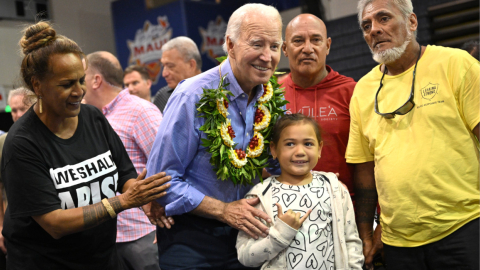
(238, 165)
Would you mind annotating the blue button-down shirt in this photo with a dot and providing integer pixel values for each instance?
(177, 148)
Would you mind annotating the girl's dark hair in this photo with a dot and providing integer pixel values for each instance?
(39, 42)
(293, 119)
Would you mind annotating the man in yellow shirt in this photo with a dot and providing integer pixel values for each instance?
(414, 142)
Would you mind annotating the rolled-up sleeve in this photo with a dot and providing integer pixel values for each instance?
(174, 148)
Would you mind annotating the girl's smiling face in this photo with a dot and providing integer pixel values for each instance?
(297, 150)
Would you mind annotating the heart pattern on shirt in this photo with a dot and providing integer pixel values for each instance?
(322, 247)
(299, 242)
(311, 262)
(294, 259)
(318, 190)
(305, 201)
(312, 238)
(317, 213)
(326, 200)
(331, 257)
(275, 199)
(314, 232)
(288, 199)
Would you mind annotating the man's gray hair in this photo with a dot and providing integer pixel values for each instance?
(28, 96)
(235, 22)
(405, 7)
(186, 47)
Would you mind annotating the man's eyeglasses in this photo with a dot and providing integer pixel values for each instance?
(407, 106)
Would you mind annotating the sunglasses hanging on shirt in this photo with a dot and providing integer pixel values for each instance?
(407, 106)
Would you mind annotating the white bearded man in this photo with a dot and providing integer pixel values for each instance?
(209, 212)
(414, 142)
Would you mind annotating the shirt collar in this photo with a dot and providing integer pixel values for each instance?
(111, 106)
(235, 87)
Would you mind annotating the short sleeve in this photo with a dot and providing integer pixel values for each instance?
(468, 92)
(358, 150)
(26, 173)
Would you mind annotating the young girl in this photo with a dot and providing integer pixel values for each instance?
(313, 223)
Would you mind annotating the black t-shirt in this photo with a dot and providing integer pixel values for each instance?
(44, 173)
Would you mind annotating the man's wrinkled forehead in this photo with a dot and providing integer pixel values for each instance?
(379, 8)
(306, 21)
(253, 27)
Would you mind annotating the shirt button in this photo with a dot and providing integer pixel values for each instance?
(240, 113)
(247, 134)
(243, 95)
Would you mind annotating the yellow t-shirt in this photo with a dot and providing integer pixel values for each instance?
(426, 162)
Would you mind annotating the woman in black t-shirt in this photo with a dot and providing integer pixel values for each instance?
(63, 164)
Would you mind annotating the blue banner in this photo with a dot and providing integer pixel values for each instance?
(140, 32)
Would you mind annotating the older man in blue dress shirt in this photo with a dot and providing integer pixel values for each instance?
(208, 212)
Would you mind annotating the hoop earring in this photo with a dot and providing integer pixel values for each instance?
(40, 109)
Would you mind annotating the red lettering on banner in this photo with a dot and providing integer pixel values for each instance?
(158, 45)
(146, 48)
(211, 41)
(138, 50)
(149, 48)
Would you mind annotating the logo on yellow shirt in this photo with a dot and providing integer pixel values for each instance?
(429, 91)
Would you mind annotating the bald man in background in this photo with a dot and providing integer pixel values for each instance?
(315, 89)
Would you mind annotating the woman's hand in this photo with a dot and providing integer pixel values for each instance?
(137, 192)
(156, 214)
(291, 218)
(141, 191)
